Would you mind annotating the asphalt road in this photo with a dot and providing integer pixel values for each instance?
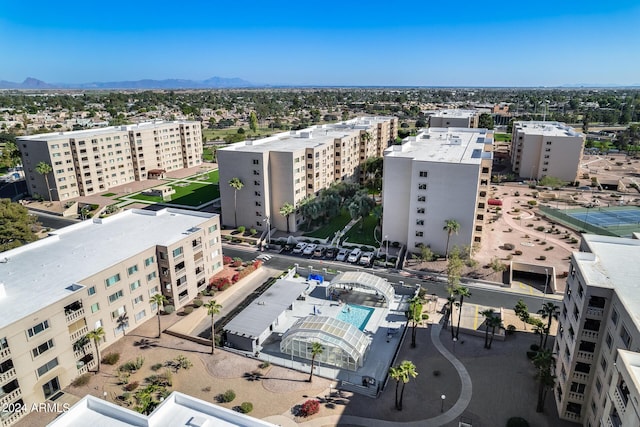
(52, 221)
(481, 293)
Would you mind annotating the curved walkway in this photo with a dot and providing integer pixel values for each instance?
(451, 415)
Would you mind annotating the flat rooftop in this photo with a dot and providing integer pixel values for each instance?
(445, 145)
(38, 274)
(611, 265)
(546, 128)
(455, 113)
(176, 410)
(100, 131)
(310, 137)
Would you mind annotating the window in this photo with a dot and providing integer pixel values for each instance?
(422, 186)
(420, 222)
(138, 300)
(91, 290)
(151, 276)
(132, 270)
(213, 228)
(419, 233)
(614, 316)
(135, 285)
(603, 364)
(422, 198)
(40, 327)
(47, 367)
(626, 338)
(149, 261)
(578, 387)
(598, 385)
(420, 210)
(256, 161)
(177, 252)
(423, 174)
(153, 291)
(42, 348)
(95, 307)
(115, 297)
(112, 280)
(3, 343)
(140, 315)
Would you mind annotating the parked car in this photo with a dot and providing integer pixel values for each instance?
(320, 250)
(331, 253)
(308, 250)
(354, 256)
(366, 258)
(342, 255)
(299, 248)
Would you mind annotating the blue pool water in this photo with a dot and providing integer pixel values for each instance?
(357, 315)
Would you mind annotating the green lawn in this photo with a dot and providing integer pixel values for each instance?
(190, 195)
(364, 236)
(211, 176)
(109, 194)
(337, 223)
(207, 154)
(502, 137)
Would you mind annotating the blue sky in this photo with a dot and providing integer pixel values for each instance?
(490, 43)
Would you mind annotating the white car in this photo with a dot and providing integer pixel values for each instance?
(366, 258)
(354, 256)
(342, 255)
(299, 248)
(308, 250)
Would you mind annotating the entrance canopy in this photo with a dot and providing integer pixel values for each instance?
(356, 279)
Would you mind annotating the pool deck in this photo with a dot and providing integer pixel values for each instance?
(382, 348)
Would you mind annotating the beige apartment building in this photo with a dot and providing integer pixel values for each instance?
(289, 166)
(597, 348)
(454, 119)
(97, 273)
(440, 174)
(540, 149)
(92, 161)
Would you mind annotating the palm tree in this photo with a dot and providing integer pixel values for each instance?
(402, 373)
(81, 345)
(159, 300)
(45, 169)
(493, 322)
(316, 349)
(488, 314)
(544, 361)
(538, 329)
(461, 292)
(450, 226)
(451, 300)
(414, 315)
(549, 311)
(123, 323)
(236, 184)
(97, 335)
(286, 210)
(522, 311)
(213, 308)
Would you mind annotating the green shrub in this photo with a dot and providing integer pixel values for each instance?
(264, 365)
(534, 347)
(168, 309)
(542, 258)
(81, 380)
(227, 396)
(242, 229)
(531, 354)
(517, 422)
(253, 231)
(245, 407)
(188, 310)
(132, 365)
(532, 202)
(518, 252)
(511, 329)
(156, 367)
(540, 228)
(111, 358)
(198, 303)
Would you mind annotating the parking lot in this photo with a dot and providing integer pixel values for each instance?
(354, 256)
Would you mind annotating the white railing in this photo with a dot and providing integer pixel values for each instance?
(87, 367)
(581, 376)
(13, 418)
(79, 333)
(5, 353)
(585, 355)
(590, 334)
(571, 416)
(576, 396)
(6, 376)
(619, 402)
(595, 312)
(75, 315)
(8, 398)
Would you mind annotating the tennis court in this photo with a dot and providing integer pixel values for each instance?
(608, 217)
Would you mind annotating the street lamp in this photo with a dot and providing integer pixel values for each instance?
(267, 220)
(455, 340)
(386, 254)
(546, 283)
(443, 397)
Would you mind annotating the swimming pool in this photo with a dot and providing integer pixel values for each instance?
(357, 315)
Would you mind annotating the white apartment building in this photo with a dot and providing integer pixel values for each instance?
(97, 273)
(541, 149)
(92, 161)
(454, 119)
(289, 166)
(440, 174)
(597, 348)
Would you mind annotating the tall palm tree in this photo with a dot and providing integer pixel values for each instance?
(316, 349)
(159, 300)
(488, 314)
(237, 185)
(213, 308)
(538, 329)
(493, 322)
(81, 344)
(548, 311)
(414, 315)
(402, 373)
(123, 323)
(97, 335)
(451, 300)
(45, 169)
(461, 292)
(544, 362)
(286, 210)
(450, 226)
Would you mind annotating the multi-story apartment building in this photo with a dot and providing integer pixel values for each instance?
(97, 273)
(92, 161)
(454, 119)
(440, 174)
(598, 342)
(541, 149)
(289, 166)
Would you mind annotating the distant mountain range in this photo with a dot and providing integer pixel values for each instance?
(212, 83)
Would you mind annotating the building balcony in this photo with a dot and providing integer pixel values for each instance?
(75, 315)
(5, 353)
(7, 376)
(578, 397)
(86, 367)
(571, 416)
(595, 312)
(75, 336)
(10, 397)
(619, 402)
(584, 356)
(12, 418)
(590, 335)
(580, 376)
